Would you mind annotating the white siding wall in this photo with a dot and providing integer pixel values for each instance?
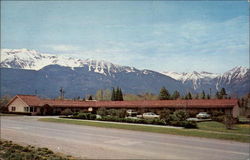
(19, 104)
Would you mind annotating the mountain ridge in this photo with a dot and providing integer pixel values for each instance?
(234, 80)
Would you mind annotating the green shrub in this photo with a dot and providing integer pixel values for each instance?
(219, 118)
(192, 113)
(180, 115)
(92, 116)
(229, 121)
(82, 115)
(67, 112)
(121, 113)
(102, 112)
(112, 112)
(189, 124)
(216, 113)
(10, 151)
(176, 123)
(165, 115)
(26, 149)
(158, 121)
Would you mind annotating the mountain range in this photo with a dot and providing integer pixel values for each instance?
(25, 71)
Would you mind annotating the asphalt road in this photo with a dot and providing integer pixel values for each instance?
(106, 143)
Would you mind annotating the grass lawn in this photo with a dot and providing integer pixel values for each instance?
(219, 127)
(203, 132)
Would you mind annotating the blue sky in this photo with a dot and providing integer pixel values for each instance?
(158, 35)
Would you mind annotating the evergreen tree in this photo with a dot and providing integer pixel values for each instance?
(208, 96)
(117, 94)
(203, 95)
(186, 97)
(164, 94)
(121, 95)
(107, 94)
(90, 98)
(223, 93)
(176, 95)
(189, 95)
(113, 97)
(99, 95)
(218, 95)
(197, 96)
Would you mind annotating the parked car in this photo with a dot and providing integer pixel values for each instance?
(148, 115)
(131, 113)
(203, 115)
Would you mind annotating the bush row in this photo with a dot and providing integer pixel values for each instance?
(81, 115)
(156, 121)
(181, 122)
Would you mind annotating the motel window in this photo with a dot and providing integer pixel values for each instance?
(31, 109)
(13, 108)
(26, 109)
(35, 109)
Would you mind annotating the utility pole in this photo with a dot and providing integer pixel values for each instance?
(62, 93)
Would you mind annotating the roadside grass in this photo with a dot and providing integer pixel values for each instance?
(11, 151)
(6, 114)
(219, 127)
(205, 133)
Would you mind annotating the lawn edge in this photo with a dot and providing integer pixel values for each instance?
(153, 129)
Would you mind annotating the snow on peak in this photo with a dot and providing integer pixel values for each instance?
(195, 77)
(237, 72)
(31, 59)
(190, 76)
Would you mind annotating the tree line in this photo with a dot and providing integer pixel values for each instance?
(116, 94)
(165, 95)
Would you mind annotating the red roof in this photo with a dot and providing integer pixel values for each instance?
(32, 100)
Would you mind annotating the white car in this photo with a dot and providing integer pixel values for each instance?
(203, 115)
(148, 115)
(131, 113)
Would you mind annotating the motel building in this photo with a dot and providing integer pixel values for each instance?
(33, 105)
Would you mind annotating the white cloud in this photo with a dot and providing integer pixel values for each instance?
(64, 48)
(186, 46)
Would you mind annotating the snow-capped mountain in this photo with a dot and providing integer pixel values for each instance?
(236, 79)
(233, 80)
(24, 71)
(195, 77)
(29, 70)
(33, 60)
(190, 76)
(236, 73)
